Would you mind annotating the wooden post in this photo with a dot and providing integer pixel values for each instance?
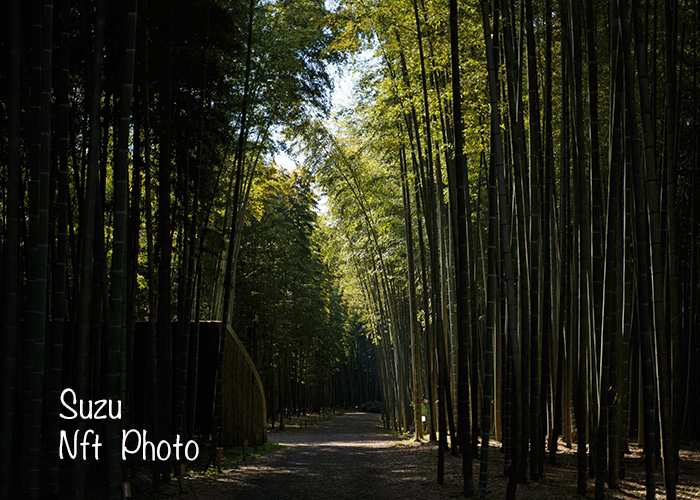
(181, 477)
(219, 458)
(245, 445)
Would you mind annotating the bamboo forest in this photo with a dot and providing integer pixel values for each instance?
(346, 249)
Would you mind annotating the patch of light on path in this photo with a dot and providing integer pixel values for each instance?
(367, 443)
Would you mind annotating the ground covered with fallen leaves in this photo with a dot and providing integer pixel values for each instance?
(351, 457)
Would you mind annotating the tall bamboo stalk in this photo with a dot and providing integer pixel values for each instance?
(59, 275)
(461, 250)
(432, 223)
(505, 232)
(663, 365)
(37, 248)
(413, 303)
(10, 256)
(641, 254)
(118, 290)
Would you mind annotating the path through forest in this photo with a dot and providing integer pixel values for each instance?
(344, 458)
(350, 457)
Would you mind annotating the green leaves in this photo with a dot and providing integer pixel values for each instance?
(284, 279)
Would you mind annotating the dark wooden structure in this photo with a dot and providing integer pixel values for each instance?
(243, 410)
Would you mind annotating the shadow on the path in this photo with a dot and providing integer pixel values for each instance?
(344, 458)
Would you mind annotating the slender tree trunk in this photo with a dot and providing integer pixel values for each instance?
(37, 248)
(118, 291)
(153, 398)
(235, 227)
(491, 298)
(613, 299)
(610, 327)
(641, 252)
(10, 272)
(413, 303)
(505, 232)
(55, 382)
(432, 223)
(461, 250)
(663, 381)
(87, 229)
(673, 103)
(536, 277)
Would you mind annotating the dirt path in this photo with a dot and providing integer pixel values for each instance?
(349, 458)
(343, 458)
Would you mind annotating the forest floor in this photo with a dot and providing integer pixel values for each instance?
(352, 457)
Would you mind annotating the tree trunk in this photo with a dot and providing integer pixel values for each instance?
(118, 291)
(87, 229)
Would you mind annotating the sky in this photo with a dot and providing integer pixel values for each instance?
(341, 96)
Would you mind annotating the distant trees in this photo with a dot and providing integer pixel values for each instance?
(290, 309)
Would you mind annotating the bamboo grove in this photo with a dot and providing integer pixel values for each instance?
(134, 138)
(514, 191)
